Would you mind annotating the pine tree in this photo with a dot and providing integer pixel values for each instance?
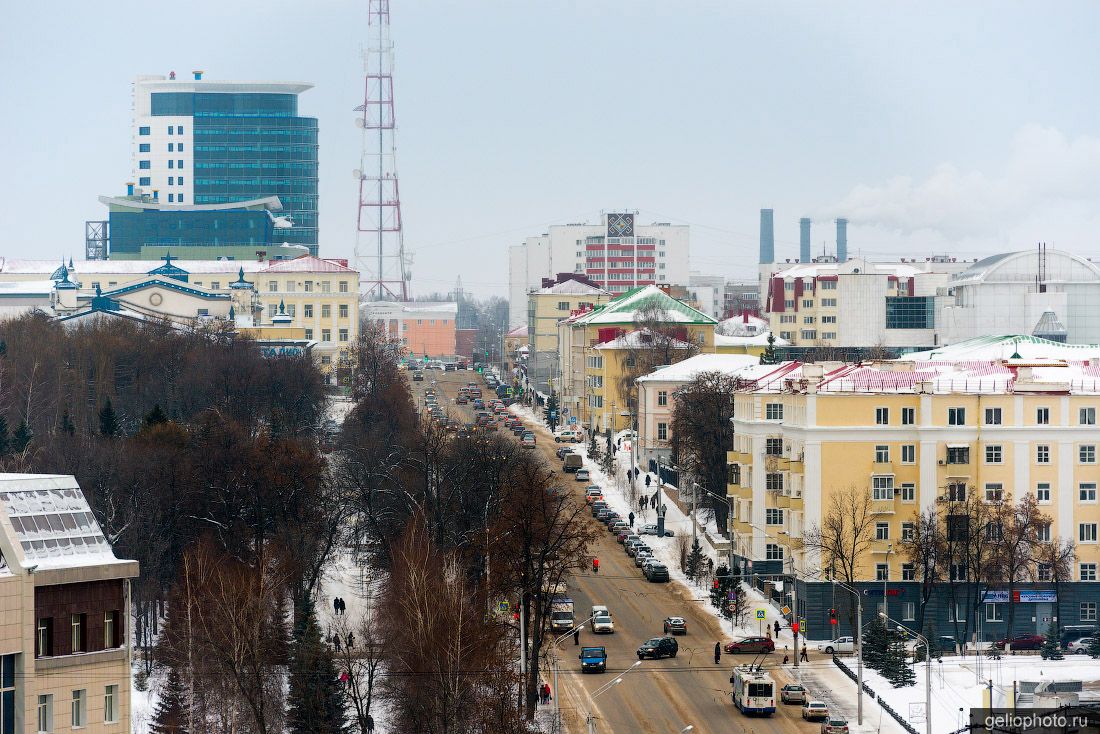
(22, 437)
(1052, 648)
(593, 447)
(550, 414)
(5, 441)
(768, 355)
(67, 424)
(875, 643)
(897, 669)
(608, 463)
(155, 417)
(1093, 648)
(315, 703)
(171, 716)
(693, 566)
(108, 420)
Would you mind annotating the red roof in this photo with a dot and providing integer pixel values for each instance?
(308, 264)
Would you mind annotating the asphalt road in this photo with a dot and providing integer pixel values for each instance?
(658, 696)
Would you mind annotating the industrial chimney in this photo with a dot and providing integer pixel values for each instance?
(767, 237)
(804, 241)
(842, 240)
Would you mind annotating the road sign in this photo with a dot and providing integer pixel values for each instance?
(760, 614)
(732, 595)
(572, 420)
(732, 606)
(565, 411)
(503, 607)
(553, 414)
(786, 610)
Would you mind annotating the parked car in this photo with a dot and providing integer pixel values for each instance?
(569, 435)
(749, 644)
(675, 626)
(656, 572)
(574, 463)
(602, 513)
(834, 726)
(582, 475)
(658, 647)
(617, 527)
(840, 644)
(814, 710)
(1079, 647)
(641, 557)
(651, 529)
(622, 533)
(560, 452)
(792, 693)
(632, 546)
(611, 517)
(592, 495)
(1073, 632)
(1021, 642)
(630, 538)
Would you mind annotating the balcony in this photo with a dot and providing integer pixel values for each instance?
(882, 507)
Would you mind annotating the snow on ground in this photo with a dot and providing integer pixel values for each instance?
(143, 704)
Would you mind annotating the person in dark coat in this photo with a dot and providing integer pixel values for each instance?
(351, 640)
(647, 480)
(642, 502)
(803, 657)
(370, 724)
(777, 629)
(717, 653)
(577, 636)
(335, 605)
(630, 519)
(336, 642)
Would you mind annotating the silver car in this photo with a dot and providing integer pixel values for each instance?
(641, 557)
(651, 529)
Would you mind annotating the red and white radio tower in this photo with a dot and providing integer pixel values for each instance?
(379, 241)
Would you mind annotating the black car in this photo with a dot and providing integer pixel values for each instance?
(658, 647)
(656, 572)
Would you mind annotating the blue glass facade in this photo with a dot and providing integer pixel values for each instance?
(248, 146)
(131, 230)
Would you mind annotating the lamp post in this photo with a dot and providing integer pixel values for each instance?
(794, 589)
(927, 672)
(859, 648)
(554, 647)
(589, 719)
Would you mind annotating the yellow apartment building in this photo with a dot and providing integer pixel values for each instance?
(545, 308)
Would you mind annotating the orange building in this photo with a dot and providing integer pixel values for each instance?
(425, 328)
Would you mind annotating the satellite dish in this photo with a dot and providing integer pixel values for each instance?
(359, 122)
(357, 173)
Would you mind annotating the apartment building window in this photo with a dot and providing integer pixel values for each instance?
(789, 303)
(1042, 454)
(808, 320)
(326, 313)
(828, 302)
(908, 454)
(828, 335)
(1042, 532)
(957, 572)
(788, 319)
(882, 531)
(882, 454)
(44, 638)
(1086, 453)
(882, 488)
(290, 309)
(79, 625)
(110, 705)
(1087, 416)
(773, 411)
(807, 303)
(179, 147)
(908, 416)
(908, 530)
(307, 310)
(788, 285)
(993, 416)
(1042, 416)
(662, 397)
(1044, 572)
(326, 335)
(908, 572)
(144, 181)
(1088, 611)
(909, 492)
(994, 613)
(956, 416)
(774, 481)
(45, 713)
(958, 527)
(1087, 571)
(773, 516)
(958, 454)
(809, 333)
(734, 474)
(272, 286)
(343, 286)
(993, 454)
(1086, 532)
(882, 572)
(1086, 492)
(1042, 493)
(773, 446)
(994, 492)
(80, 708)
(171, 180)
(956, 492)
(882, 416)
(828, 319)
(215, 285)
(662, 431)
(309, 334)
(773, 552)
(788, 335)
(143, 131)
(994, 532)
(343, 335)
(344, 312)
(143, 148)
(171, 148)
(144, 165)
(827, 285)
(171, 164)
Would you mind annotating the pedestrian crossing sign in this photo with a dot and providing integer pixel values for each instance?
(503, 607)
(760, 614)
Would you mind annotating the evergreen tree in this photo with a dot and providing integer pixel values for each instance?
(171, 716)
(608, 463)
(1093, 647)
(315, 703)
(22, 437)
(67, 424)
(155, 416)
(550, 414)
(875, 643)
(593, 447)
(768, 355)
(897, 669)
(695, 563)
(1052, 648)
(5, 441)
(108, 420)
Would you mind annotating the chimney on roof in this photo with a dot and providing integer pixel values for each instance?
(260, 255)
(172, 76)
(804, 240)
(767, 237)
(198, 74)
(842, 240)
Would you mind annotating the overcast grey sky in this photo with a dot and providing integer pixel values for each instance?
(966, 128)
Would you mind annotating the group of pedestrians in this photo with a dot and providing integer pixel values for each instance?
(338, 606)
(338, 641)
(544, 694)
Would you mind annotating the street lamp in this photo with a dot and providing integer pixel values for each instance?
(794, 587)
(554, 647)
(859, 647)
(927, 671)
(589, 719)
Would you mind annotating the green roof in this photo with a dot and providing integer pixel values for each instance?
(623, 309)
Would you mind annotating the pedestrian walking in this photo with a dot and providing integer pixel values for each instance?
(777, 629)
(351, 640)
(648, 479)
(642, 502)
(786, 659)
(710, 566)
(335, 605)
(717, 653)
(336, 642)
(804, 657)
(577, 636)
(370, 724)
(653, 501)
(343, 606)
(630, 518)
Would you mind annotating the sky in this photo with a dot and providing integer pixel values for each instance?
(939, 127)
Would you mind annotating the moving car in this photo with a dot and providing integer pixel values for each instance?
(834, 726)
(561, 453)
(658, 647)
(528, 442)
(750, 644)
(651, 529)
(418, 376)
(1021, 642)
(1079, 647)
(573, 463)
(675, 626)
(593, 659)
(814, 710)
(656, 572)
(593, 494)
(840, 644)
(583, 475)
(753, 690)
(461, 400)
(792, 693)
(601, 620)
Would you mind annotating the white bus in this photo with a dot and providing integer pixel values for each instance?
(753, 690)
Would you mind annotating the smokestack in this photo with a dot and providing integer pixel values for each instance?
(842, 240)
(767, 237)
(804, 240)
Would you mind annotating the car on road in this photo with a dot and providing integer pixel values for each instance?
(834, 726)
(675, 626)
(658, 647)
(1073, 632)
(641, 557)
(418, 376)
(573, 463)
(461, 400)
(569, 435)
(560, 452)
(622, 533)
(593, 494)
(1079, 647)
(597, 505)
(632, 544)
(527, 441)
(602, 514)
(750, 644)
(792, 693)
(651, 529)
(601, 620)
(840, 644)
(610, 517)
(1021, 642)
(593, 659)
(582, 475)
(617, 527)
(814, 710)
(657, 573)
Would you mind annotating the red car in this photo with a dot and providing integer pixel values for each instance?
(750, 644)
(1022, 642)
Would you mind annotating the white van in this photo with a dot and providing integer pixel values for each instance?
(601, 620)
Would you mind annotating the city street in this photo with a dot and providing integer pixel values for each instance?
(659, 696)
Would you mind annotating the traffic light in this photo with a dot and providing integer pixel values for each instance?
(832, 616)
(714, 584)
(794, 627)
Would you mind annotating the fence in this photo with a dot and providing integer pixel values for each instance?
(874, 697)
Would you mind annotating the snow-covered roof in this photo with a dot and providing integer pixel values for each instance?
(53, 523)
(743, 325)
(639, 339)
(1004, 347)
(23, 288)
(441, 308)
(572, 287)
(626, 309)
(854, 266)
(306, 264)
(519, 332)
(759, 340)
(47, 268)
(1022, 267)
(690, 368)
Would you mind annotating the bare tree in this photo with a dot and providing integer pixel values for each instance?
(845, 536)
(659, 341)
(1014, 528)
(1055, 561)
(702, 423)
(925, 551)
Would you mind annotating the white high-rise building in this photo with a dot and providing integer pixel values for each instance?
(617, 254)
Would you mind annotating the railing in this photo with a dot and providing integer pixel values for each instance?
(874, 697)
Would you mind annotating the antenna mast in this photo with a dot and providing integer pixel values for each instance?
(379, 239)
